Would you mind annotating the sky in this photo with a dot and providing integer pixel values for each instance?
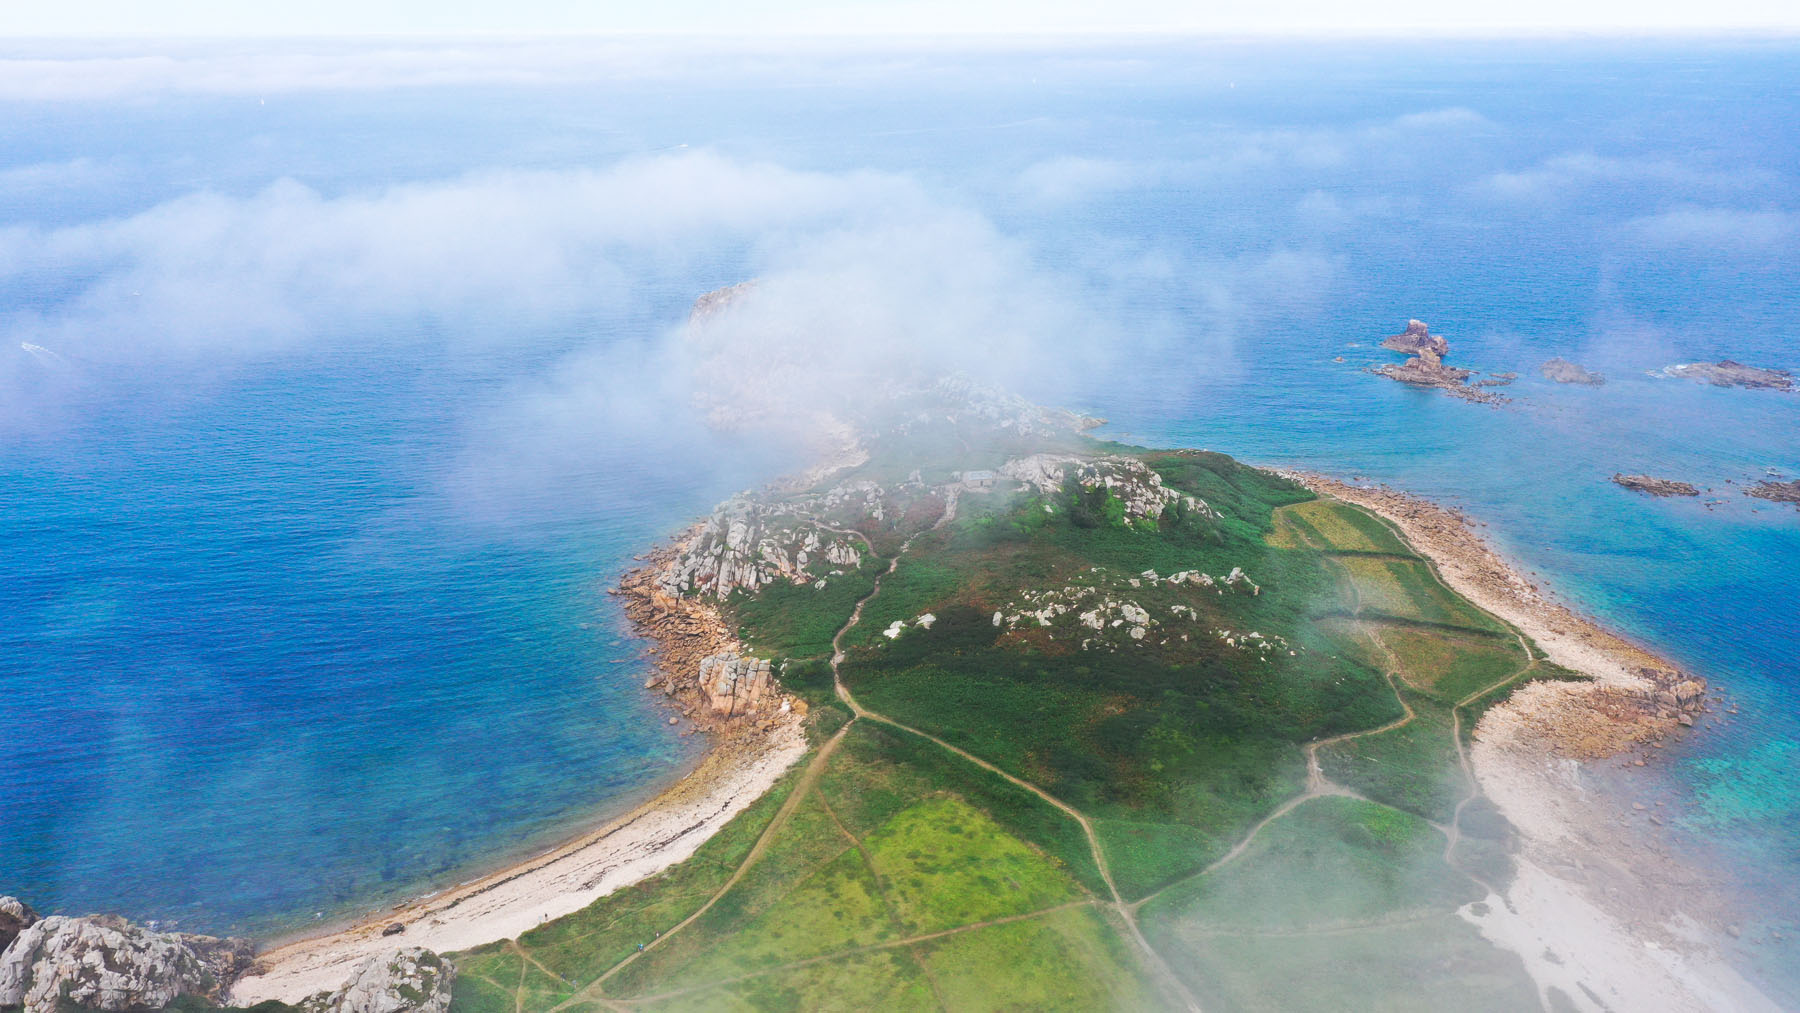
(856, 17)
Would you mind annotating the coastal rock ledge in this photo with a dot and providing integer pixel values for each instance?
(106, 963)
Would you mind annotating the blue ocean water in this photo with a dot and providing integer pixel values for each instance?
(313, 616)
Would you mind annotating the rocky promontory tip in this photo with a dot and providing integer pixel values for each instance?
(1563, 371)
(1426, 368)
(1727, 373)
(1655, 486)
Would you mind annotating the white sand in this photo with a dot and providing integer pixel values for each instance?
(662, 832)
(1594, 914)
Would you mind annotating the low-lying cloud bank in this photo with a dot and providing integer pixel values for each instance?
(585, 274)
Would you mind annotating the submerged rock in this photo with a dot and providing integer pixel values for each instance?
(106, 963)
(1563, 371)
(1727, 373)
(408, 980)
(1655, 486)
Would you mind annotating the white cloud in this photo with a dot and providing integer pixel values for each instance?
(210, 272)
(1566, 175)
(1719, 230)
(863, 275)
(1239, 155)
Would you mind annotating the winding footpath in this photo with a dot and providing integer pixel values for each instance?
(1317, 785)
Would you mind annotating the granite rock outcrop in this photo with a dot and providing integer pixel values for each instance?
(15, 917)
(409, 980)
(1135, 483)
(107, 963)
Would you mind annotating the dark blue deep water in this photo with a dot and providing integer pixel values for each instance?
(305, 532)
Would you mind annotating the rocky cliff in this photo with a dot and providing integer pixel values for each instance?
(748, 543)
(106, 963)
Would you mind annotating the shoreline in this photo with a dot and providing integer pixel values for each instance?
(741, 763)
(1599, 913)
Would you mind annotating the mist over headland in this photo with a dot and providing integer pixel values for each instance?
(389, 349)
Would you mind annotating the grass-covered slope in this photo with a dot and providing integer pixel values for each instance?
(1162, 731)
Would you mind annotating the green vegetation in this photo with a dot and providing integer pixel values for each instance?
(798, 621)
(1412, 767)
(1147, 690)
(1340, 898)
(1334, 527)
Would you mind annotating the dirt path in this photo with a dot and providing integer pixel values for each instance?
(1318, 785)
(808, 778)
(910, 941)
(1168, 980)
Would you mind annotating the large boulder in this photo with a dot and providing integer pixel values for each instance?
(107, 963)
(15, 917)
(407, 980)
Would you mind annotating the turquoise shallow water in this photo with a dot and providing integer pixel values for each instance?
(313, 617)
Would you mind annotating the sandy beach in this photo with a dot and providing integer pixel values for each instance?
(658, 834)
(1601, 916)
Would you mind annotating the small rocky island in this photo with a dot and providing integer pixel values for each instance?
(1562, 370)
(1426, 368)
(1777, 492)
(1727, 373)
(1655, 486)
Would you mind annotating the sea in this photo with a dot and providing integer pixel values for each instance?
(340, 380)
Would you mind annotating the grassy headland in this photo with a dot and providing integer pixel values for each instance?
(1113, 728)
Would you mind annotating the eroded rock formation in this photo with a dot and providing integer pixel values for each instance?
(106, 963)
(1426, 368)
